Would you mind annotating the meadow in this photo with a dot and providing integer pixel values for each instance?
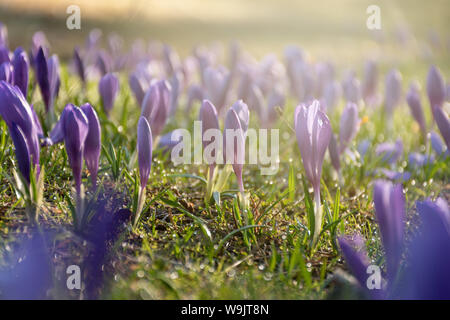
(363, 128)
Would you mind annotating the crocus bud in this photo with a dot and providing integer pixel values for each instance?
(22, 152)
(435, 88)
(20, 67)
(370, 82)
(79, 65)
(4, 54)
(331, 94)
(390, 211)
(209, 120)
(155, 107)
(234, 145)
(108, 88)
(6, 72)
(48, 78)
(349, 126)
(436, 143)
(333, 149)
(393, 91)
(144, 144)
(352, 90)
(443, 123)
(390, 152)
(313, 131)
(92, 146)
(415, 105)
(75, 128)
(243, 114)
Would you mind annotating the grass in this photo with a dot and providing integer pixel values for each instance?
(184, 250)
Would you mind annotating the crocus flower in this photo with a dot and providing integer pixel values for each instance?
(437, 143)
(217, 85)
(79, 65)
(243, 114)
(209, 119)
(413, 99)
(20, 70)
(313, 131)
(108, 88)
(435, 88)
(333, 150)
(390, 210)
(417, 160)
(443, 123)
(332, 94)
(144, 144)
(93, 142)
(234, 145)
(155, 106)
(14, 109)
(22, 152)
(352, 90)
(4, 54)
(349, 126)
(393, 91)
(390, 152)
(75, 129)
(6, 72)
(370, 83)
(38, 41)
(48, 78)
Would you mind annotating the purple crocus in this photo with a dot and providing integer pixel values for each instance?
(370, 83)
(145, 147)
(79, 65)
(437, 144)
(333, 150)
(415, 105)
(48, 78)
(393, 91)
(20, 70)
(22, 152)
(390, 210)
(155, 106)
(349, 125)
(209, 121)
(108, 88)
(443, 123)
(75, 128)
(313, 131)
(435, 88)
(4, 54)
(234, 145)
(390, 152)
(14, 109)
(93, 142)
(6, 72)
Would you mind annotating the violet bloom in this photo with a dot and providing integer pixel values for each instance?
(108, 88)
(332, 94)
(22, 152)
(217, 84)
(14, 109)
(443, 123)
(4, 54)
(435, 88)
(437, 144)
(313, 131)
(393, 91)
(75, 127)
(209, 121)
(390, 152)
(6, 72)
(417, 160)
(415, 105)
(48, 78)
(234, 145)
(20, 68)
(145, 147)
(92, 146)
(79, 65)
(352, 90)
(349, 126)
(155, 106)
(333, 150)
(38, 41)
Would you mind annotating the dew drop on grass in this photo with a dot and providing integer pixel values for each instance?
(268, 276)
(140, 274)
(261, 267)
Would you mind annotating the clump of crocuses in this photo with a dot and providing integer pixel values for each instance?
(313, 131)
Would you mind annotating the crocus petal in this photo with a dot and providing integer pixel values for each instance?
(6, 72)
(413, 99)
(435, 88)
(79, 65)
(92, 146)
(443, 123)
(349, 125)
(333, 150)
(234, 149)
(159, 115)
(108, 88)
(4, 54)
(356, 257)
(390, 210)
(150, 102)
(243, 114)
(20, 66)
(75, 128)
(393, 91)
(209, 120)
(144, 144)
(42, 77)
(22, 153)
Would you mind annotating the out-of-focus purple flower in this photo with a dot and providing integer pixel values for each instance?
(437, 143)
(417, 160)
(352, 90)
(6, 72)
(395, 175)
(20, 68)
(48, 78)
(145, 148)
(217, 84)
(3, 35)
(333, 149)
(4, 54)
(363, 147)
(443, 123)
(108, 88)
(209, 119)
(390, 152)
(234, 145)
(38, 41)
(75, 129)
(243, 114)
(413, 99)
(195, 93)
(14, 109)
(435, 88)
(426, 276)
(155, 106)
(103, 62)
(169, 140)
(390, 210)
(313, 131)
(79, 65)
(393, 91)
(92, 145)
(370, 83)
(332, 94)
(349, 126)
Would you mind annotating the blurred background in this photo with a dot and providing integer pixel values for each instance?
(333, 30)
